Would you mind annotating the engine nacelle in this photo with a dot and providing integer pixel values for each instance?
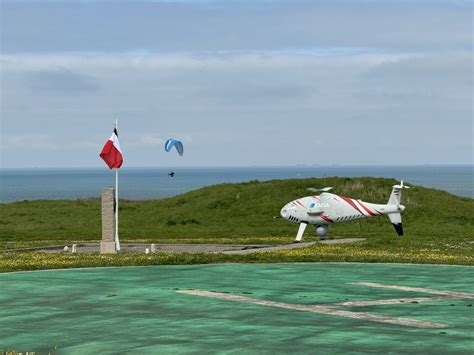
(322, 231)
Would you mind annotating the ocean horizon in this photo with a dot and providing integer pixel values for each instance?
(19, 184)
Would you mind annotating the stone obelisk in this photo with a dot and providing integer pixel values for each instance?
(107, 245)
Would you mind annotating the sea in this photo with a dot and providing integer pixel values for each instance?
(154, 183)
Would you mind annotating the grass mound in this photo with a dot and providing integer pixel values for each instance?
(438, 226)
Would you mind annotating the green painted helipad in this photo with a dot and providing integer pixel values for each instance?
(240, 307)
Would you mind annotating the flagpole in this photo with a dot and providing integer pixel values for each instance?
(117, 242)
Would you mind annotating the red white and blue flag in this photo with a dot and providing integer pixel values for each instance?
(111, 152)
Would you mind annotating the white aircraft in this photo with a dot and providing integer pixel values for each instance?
(327, 208)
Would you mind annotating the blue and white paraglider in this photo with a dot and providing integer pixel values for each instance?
(170, 143)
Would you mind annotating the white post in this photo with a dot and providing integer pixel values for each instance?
(117, 241)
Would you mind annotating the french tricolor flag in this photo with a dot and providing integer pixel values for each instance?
(111, 152)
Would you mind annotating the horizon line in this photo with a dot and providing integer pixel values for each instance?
(305, 166)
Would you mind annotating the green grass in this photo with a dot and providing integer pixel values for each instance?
(438, 226)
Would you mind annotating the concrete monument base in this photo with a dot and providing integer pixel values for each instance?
(107, 248)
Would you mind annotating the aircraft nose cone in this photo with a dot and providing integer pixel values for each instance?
(402, 208)
(287, 211)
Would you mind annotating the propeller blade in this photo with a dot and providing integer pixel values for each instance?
(324, 189)
(401, 186)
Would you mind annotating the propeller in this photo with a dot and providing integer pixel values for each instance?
(401, 186)
(324, 189)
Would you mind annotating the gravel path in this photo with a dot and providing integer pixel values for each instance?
(194, 248)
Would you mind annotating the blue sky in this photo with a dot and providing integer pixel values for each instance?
(240, 82)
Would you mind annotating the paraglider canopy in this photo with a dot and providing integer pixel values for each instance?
(170, 143)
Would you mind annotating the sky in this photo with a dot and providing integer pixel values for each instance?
(241, 83)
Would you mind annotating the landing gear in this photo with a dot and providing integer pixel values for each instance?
(300, 233)
(322, 231)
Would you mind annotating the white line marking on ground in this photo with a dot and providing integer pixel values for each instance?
(452, 294)
(322, 309)
(390, 301)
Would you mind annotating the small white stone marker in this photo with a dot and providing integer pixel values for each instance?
(153, 248)
(66, 248)
(147, 250)
(74, 248)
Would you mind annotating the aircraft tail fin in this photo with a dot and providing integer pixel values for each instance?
(396, 195)
(396, 219)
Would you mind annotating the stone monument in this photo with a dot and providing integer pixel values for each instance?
(107, 245)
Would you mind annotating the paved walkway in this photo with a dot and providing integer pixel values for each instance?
(191, 248)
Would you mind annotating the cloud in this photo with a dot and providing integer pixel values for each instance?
(60, 80)
(165, 27)
(150, 140)
(242, 82)
(190, 82)
(29, 141)
(286, 105)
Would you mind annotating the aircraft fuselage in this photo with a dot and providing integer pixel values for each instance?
(328, 208)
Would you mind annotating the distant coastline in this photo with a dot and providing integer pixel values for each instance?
(18, 184)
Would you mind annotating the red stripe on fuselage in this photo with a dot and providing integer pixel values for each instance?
(365, 208)
(350, 202)
(326, 218)
(299, 203)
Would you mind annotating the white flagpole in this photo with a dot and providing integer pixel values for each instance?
(117, 241)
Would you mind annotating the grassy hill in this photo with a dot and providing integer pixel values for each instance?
(435, 222)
